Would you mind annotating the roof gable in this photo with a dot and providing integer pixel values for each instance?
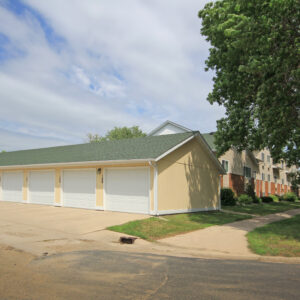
(168, 127)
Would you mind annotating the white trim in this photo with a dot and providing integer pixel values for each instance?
(127, 168)
(181, 211)
(155, 183)
(174, 148)
(166, 123)
(57, 204)
(99, 208)
(220, 187)
(81, 163)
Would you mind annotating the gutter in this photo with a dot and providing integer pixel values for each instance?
(81, 163)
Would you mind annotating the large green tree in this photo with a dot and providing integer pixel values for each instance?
(117, 133)
(255, 54)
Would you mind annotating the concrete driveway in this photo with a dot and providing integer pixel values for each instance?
(29, 226)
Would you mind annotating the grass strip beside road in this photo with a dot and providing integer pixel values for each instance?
(280, 238)
(264, 208)
(155, 228)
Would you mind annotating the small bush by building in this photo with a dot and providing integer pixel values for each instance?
(266, 199)
(250, 191)
(227, 197)
(257, 200)
(245, 199)
(290, 197)
(275, 198)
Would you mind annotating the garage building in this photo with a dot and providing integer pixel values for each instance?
(158, 174)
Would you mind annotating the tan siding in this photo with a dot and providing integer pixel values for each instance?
(188, 179)
(25, 186)
(57, 186)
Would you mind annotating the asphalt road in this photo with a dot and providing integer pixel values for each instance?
(119, 275)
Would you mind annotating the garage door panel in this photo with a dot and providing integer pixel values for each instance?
(41, 187)
(79, 188)
(127, 190)
(12, 186)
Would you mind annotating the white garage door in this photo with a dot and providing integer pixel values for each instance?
(41, 187)
(127, 190)
(79, 188)
(12, 183)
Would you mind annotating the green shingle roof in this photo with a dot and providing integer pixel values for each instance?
(126, 149)
(210, 140)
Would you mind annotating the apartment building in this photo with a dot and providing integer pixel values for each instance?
(273, 178)
(244, 167)
(256, 168)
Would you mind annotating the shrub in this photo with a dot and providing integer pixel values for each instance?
(227, 197)
(250, 191)
(266, 199)
(280, 198)
(290, 197)
(257, 200)
(245, 199)
(275, 198)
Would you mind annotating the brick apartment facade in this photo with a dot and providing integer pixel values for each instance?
(256, 168)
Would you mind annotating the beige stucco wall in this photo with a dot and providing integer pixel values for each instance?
(58, 180)
(237, 161)
(188, 179)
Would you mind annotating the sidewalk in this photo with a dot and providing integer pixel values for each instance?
(227, 240)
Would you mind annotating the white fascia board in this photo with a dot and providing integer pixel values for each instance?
(166, 123)
(82, 163)
(174, 148)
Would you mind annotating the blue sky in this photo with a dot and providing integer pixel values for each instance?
(72, 67)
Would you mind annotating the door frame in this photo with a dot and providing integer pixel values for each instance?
(28, 185)
(127, 168)
(62, 186)
(1, 184)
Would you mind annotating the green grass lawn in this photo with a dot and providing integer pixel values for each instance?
(264, 208)
(280, 238)
(156, 228)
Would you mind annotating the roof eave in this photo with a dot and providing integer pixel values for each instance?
(80, 163)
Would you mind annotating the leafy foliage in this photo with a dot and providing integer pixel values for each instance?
(245, 199)
(117, 133)
(275, 198)
(266, 199)
(290, 197)
(255, 56)
(227, 197)
(250, 191)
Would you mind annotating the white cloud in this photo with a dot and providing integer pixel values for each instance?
(121, 64)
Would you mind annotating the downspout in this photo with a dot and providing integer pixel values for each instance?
(154, 165)
(220, 206)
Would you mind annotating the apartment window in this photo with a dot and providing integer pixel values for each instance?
(225, 165)
(268, 158)
(262, 176)
(254, 174)
(275, 179)
(282, 181)
(269, 177)
(247, 172)
(262, 156)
